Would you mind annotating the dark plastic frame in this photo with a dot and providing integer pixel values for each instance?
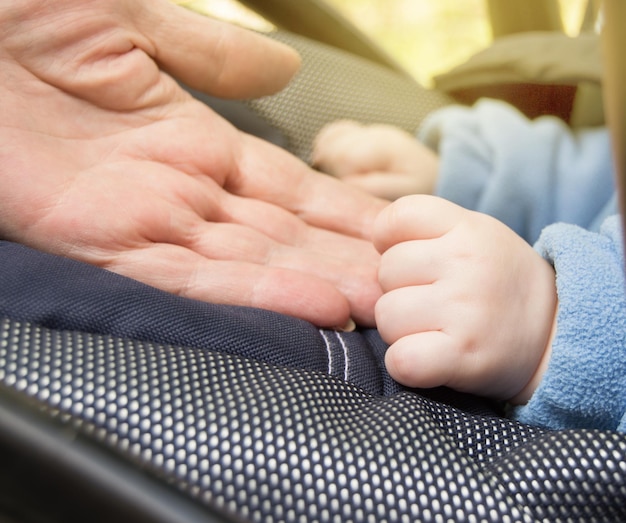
(51, 473)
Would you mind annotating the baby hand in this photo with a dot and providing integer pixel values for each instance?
(467, 303)
(381, 159)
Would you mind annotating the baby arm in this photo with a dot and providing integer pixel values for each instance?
(467, 303)
(381, 159)
(584, 385)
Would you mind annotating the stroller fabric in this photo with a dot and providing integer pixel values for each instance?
(272, 419)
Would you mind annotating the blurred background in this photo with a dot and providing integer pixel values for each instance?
(426, 36)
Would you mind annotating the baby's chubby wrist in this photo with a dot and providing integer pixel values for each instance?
(522, 397)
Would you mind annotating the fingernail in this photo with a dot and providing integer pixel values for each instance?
(348, 327)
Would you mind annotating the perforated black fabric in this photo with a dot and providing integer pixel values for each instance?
(333, 84)
(281, 444)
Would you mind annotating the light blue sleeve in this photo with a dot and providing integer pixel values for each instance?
(541, 176)
(528, 174)
(585, 383)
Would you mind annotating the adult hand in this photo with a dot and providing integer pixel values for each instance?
(105, 159)
(383, 160)
(467, 304)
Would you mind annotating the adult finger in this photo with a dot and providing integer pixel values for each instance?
(215, 57)
(388, 185)
(416, 217)
(353, 277)
(272, 175)
(286, 228)
(180, 271)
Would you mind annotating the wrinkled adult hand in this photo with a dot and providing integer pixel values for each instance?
(105, 159)
(381, 159)
(468, 304)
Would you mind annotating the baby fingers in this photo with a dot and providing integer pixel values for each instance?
(409, 310)
(423, 360)
(411, 263)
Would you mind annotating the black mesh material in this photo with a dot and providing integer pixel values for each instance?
(285, 441)
(280, 444)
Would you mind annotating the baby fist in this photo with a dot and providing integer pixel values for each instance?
(467, 303)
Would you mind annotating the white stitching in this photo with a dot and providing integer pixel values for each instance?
(329, 351)
(345, 355)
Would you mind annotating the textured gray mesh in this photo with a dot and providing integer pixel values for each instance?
(333, 84)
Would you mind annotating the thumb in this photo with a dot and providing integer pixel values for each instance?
(215, 57)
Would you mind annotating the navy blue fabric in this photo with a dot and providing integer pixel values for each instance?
(60, 293)
(65, 294)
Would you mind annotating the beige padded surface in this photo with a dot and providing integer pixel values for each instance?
(536, 57)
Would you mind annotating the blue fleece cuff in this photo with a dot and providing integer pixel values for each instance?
(585, 383)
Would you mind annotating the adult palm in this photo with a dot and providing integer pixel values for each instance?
(105, 159)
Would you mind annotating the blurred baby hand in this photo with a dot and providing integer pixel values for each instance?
(381, 159)
(467, 303)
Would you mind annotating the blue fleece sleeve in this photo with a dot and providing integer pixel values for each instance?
(585, 383)
(528, 174)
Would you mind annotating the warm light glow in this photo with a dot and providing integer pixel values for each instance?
(427, 37)
(229, 11)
